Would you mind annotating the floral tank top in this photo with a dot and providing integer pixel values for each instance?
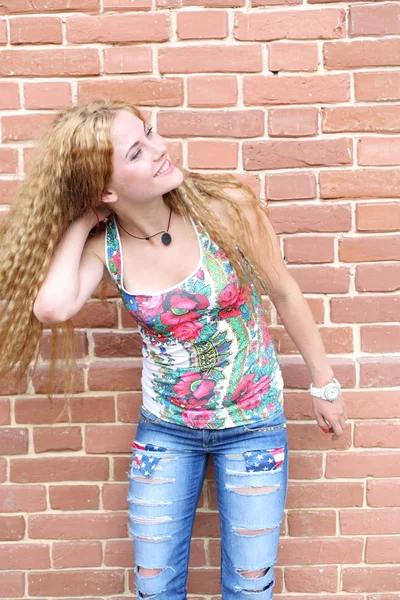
(208, 359)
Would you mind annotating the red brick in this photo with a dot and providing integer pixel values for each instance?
(380, 338)
(116, 28)
(24, 556)
(117, 345)
(66, 62)
(121, 465)
(378, 278)
(115, 375)
(310, 249)
(12, 585)
(322, 279)
(17, 498)
(289, 154)
(325, 494)
(205, 24)
(383, 492)
(26, 6)
(40, 379)
(128, 59)
(379, 371)
(290, 186)
(381, 19)
(77, 554)
(57, 439)
(212, 91)
(96, 314)
(105, 439)
(298, 406)
(94, 409)
(204, 581)
(3, 32)
(285, 56)
(24, 127)
(236, 124)
(310, 218)
(311, 579)
(290, 24)
(295, 89)
(359, 579)
(336, 596)
(43, 30)
(13, 440)
(369, 248)
(9, 97)
(296, 375)
(47, 95)
(212, 155)
(378, 151)
(366, 53)
(118, 553)
(333, 551)
(74, 497)
(382, 550)
(83, 526)
(365, 309)
(81, 345)
(120, 5)
(211, 59)
(5, 411)
(115, 496)
(371, 118)
(77, 582)
(377, 86)
(292, 122)
(11, 529)
(382, 216)
(142, 92)
(8, 190)
(311, 523)
(3, 470)
(91, 468)
(362, 183)
(363, 464)
(377, 434)
(8, 160)
(128, 407)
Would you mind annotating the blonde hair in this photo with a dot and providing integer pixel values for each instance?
(72, 168)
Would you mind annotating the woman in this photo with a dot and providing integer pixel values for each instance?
(189, 257)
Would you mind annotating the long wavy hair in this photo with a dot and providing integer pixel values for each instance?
(71, 169)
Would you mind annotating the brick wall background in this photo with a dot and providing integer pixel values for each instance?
(302, 101)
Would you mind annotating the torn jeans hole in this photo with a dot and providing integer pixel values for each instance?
(264, 460)
(146, 463)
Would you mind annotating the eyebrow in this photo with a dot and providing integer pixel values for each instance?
(136, 143)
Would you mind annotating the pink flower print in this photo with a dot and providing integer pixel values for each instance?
(231, 298)
(200, 274)
(149, 306)
(196, 385)
(248, 393)
(187, 331)
(117, 261)
(197, 418)
(181, 307)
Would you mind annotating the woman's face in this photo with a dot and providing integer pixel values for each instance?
(142, 169)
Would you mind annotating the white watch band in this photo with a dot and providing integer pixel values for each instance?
(330, 392)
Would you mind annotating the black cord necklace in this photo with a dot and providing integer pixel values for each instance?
(165, 238)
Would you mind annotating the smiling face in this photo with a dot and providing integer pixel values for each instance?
(142, 170)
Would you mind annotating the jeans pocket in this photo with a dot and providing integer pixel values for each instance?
(147, 416)
(265, 425)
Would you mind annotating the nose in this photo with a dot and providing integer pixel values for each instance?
(159, 147)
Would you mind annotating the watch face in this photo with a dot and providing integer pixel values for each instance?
(332, 392)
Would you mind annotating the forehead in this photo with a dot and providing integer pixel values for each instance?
(125, 130)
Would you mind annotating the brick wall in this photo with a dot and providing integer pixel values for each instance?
(302, 101)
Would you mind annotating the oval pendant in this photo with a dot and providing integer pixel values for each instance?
(166, 239)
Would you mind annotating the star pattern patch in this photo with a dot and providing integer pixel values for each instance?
(264, 460)
(146, 463)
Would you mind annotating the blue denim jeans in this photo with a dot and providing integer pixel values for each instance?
(166, 478)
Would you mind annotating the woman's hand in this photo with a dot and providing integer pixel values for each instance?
(331, 416)
(94, 216)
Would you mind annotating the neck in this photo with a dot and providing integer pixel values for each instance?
(144, 220)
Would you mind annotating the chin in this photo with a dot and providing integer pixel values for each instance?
(174, 180)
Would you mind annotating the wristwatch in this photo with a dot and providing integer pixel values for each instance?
(330, 392)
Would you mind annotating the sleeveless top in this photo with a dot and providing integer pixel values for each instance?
(208, 359)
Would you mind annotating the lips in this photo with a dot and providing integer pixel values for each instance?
(164, 168)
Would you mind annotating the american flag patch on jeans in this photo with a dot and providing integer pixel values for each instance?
(147, 464)
(264, 460)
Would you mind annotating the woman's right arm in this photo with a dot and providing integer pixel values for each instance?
(75, 271)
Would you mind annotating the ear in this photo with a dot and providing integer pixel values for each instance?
(109, 197)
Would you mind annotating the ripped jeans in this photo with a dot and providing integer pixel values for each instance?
(166, 478)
